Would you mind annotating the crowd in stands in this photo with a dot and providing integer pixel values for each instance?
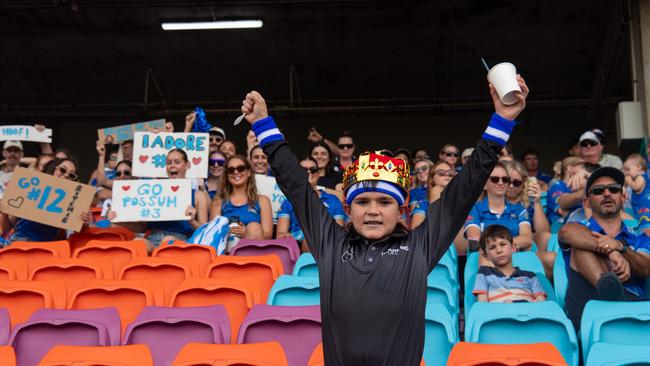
(600, 205)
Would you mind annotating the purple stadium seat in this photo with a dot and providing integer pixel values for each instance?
(286, 249)
(166, 330)
(297, 328)
(5, 327)
(47, 328)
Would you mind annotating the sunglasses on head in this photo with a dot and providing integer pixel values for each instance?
(600, 189)
(444, 173)
(588, 143)
(312, 170)
(346, 146)
(421, 169)
(217, 162)
(516, 182)
(123, 173)
(450, 154)
(495, 180)
(238, 168)
(68, 174)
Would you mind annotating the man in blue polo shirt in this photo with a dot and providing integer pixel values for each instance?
(608, 262)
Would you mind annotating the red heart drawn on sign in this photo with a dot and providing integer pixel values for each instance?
(126, 188)
(196, 161)
(174, 188)
(143, 158)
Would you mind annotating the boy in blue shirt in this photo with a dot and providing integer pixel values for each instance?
(504, 282)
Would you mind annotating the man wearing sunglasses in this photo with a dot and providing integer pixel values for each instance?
(608, 261)
(12, 152)
(591, 151)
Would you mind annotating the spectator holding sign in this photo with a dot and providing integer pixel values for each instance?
(177, 166)
(288, 225)
(239, 202)
(12, 152)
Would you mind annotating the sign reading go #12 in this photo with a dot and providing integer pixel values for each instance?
(150, 153)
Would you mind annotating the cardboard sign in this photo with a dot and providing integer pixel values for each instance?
(150, 153)
(25, 133)
(46, 199)
(151, 199)
(267, 186)
(125, 132)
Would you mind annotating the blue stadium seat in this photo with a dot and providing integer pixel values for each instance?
(555, 227)
(553, 244)
(440, 290)
(306, 266)
(453, 253)
(609, 354)
(527, 261)
(521, 323)
(448, 267)
(625, 322)
(295, 291)
(560, 279)
(440, 334)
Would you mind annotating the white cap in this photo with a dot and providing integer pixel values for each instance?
(589, 135)
(13, 143)
(467, 152)
(219, 131)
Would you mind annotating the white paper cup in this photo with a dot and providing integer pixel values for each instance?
(504, 78)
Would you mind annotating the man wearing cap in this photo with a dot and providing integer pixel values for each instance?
(12, 152)
(608, 261)
(373, 273)
(217, 136)
(591, 150)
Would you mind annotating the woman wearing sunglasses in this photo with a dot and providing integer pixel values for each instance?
(439, 175)
(26, 230)
(494, 208)
(288, 225)
(215, 171)
(239, 201)
(177, 166)
(449, 154)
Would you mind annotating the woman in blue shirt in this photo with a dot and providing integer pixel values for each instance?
(495, 209)
(215, 171)
(239, 201)
(288, 225)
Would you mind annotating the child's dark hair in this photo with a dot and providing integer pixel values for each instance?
(494, 232)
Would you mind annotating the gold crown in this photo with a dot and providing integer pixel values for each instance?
(374, 166)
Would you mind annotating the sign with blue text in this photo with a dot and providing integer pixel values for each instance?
(25, 133)
(267, 186)
(46, 199)
(119, 134)
(150, 153)
(151, 199)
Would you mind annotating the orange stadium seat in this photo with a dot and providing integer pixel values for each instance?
(120, 252)
(133, 355)
(74, 271)
(116, 233)
(170, 271)
(7, 356)
(262, 354)
(14, 269)
(238, 295)
(264, 268)
(22, 298)
(34, 250)
(467, 354)
(203, 254)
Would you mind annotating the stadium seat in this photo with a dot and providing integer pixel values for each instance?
(73, 271)
(120, 252)
(538, 354)
(238, 295)
(128, 297)
(264, 268)
(440, 334)
(285, 248)
(610, 354)
(35, 250)
(553, 244)
(14, 269)
(5, 326)
(114, 233)
(132, 355)
(623, 322)
(560, 279)
(23, 298)
(521, 323)
(448, 267)
(170, 271)
(7, 356)
(306, 266)
(295, 291)
(527, 261)
(202, 254)
(441, 291)
(296, 328)
(317, 358)
(262, 354)
(555, 227)
(167, 330)
(48, 328)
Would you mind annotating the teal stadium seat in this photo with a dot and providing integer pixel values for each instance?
(609, 354)
(306, 266)
(624, 322)
(560, 279)
(295, 291)
(522, 323)
(440, 335)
